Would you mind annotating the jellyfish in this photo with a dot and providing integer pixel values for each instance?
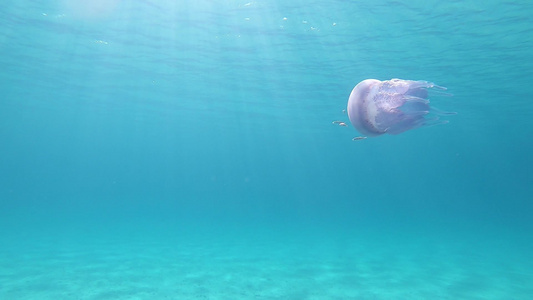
(393, 106)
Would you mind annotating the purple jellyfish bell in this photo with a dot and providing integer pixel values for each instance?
(393, 106)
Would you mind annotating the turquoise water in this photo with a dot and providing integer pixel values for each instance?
(185, 150)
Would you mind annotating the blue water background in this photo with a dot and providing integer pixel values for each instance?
(164, 116)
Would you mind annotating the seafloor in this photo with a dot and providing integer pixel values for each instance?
(217, 262)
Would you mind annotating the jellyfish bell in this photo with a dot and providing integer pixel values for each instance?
(393, 106)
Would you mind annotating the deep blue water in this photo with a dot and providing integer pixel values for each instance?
(146, 124)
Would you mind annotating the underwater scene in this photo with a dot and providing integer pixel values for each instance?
(165, 149)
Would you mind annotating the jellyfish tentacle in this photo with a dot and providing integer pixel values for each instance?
(420, 84)
(415, 113)
(437, 92)
(409, 98)
(442, 112)
(438, 87)
(435, 121)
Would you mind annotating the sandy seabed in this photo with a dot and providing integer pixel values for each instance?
(265, 265)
